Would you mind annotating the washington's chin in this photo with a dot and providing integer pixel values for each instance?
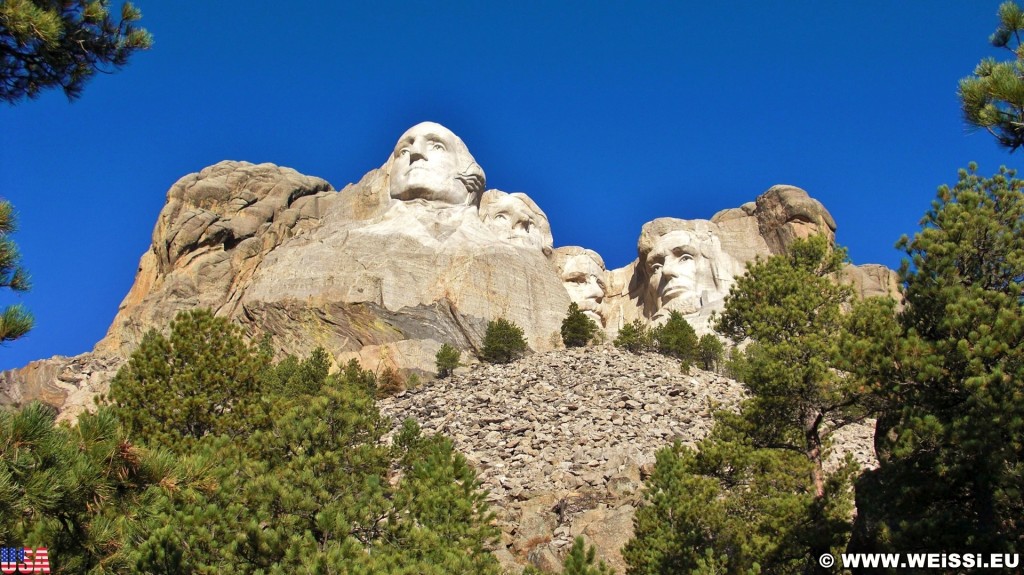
(432, 197)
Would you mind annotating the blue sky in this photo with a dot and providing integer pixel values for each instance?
(607, 114)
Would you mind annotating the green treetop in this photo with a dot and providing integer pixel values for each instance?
(503, 342)
(202, 379)
(45, 44)
(993, 98)
(577, 328)
(951, 438)
(15, 320)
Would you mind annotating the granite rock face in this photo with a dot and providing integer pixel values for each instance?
(562, 439)
(689, 265)
(416, 254)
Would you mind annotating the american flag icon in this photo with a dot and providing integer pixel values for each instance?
(24, 560)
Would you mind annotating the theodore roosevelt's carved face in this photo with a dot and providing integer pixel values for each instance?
(431, 163)
(583, 277)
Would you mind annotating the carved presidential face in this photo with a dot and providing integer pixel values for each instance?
(517, 218)
(805, 217)
(583, 277)
(672, 272)
(431, 163)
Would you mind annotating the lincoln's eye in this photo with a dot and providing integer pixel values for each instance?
(655, 268)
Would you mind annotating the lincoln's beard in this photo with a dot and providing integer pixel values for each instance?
(594, 315)
(684, 304)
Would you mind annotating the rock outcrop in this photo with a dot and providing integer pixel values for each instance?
(416, 254)
(562, 439)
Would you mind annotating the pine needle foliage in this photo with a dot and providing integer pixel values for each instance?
(303, 479)
(634, 337)
(581, 560)
(993, 98)
(754, 496)
(951, 438)
(577, 329)
(202, 379)
(15, 320)
(86, 492)
(676, 338)
(710, 351)
(447, 360)
(503, 342)
(45, 44)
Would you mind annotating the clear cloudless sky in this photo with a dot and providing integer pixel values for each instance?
(608, 114)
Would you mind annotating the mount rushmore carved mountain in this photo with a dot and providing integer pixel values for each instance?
(416, 254)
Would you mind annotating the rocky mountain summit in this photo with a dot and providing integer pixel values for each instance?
(416, 254)
(562, 439)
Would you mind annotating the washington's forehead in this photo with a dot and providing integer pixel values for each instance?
(428, 130)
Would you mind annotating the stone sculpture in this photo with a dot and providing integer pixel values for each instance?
(583, 275)
(679, 266)
(516, 218)
(432, 164)
(414, 255)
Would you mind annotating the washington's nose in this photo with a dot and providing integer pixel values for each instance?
(415, 155)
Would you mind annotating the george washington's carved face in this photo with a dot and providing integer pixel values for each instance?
(431, 163)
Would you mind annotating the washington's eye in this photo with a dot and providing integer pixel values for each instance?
(403, 152)
(437, 146)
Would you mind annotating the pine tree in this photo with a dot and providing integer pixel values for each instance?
(676, 338)
(581, 560)
(710, 351)
(15, 320)
(755, 492)
(577, 328)
(790, 308)
(993, 98)
(503, 342)
(202, 379)
(447, 360)
(48, 44)
(951, 439)
(634, 337)
(85, 492)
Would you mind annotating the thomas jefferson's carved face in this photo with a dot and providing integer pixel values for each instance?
(671, 269)
(426, 164)
(515, 219)
(583, 278)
